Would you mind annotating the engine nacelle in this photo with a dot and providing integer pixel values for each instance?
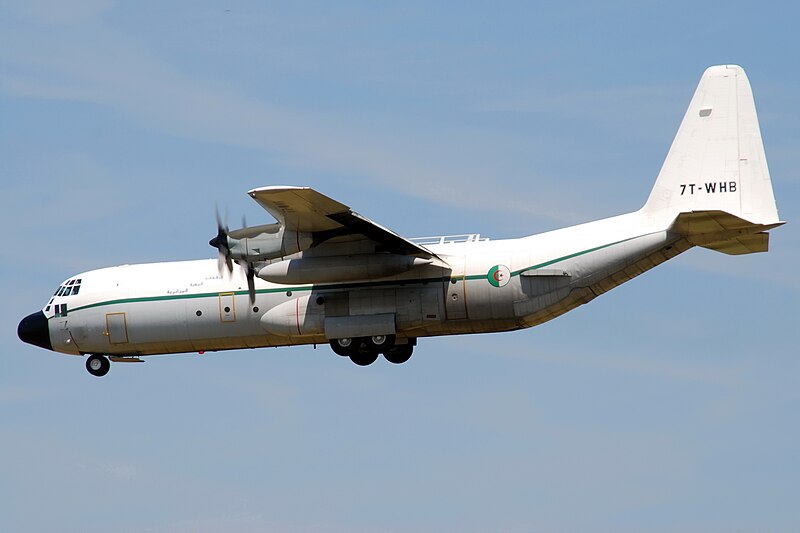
(296, 317)
(306, 316)
(271, 241)
(339, 268)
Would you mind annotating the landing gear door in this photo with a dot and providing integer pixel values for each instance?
(117, 328)
(455, 292)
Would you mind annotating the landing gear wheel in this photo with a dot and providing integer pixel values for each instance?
(97, 365)
(344, 347)
(379, 343)
(399, 353)
(365, 356)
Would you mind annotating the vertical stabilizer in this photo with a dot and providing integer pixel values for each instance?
(717, 161)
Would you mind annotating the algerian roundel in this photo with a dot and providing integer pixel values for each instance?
(498, 275)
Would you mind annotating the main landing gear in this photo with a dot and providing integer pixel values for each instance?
(364, 351)
(98, 365)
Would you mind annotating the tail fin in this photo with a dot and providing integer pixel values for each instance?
(717, 161)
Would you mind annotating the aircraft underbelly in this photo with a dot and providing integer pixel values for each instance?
(590, 275)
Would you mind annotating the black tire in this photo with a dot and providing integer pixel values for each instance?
(97, 365)
(380, 343)
(365, 356)
(399, 353)
(344, 347)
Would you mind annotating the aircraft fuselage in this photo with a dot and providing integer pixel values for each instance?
(189, 306)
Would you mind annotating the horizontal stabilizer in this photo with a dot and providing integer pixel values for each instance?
(746, 244)
(723, 232)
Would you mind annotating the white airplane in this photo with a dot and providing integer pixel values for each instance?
(325, 274)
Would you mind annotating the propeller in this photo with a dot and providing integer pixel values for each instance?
(251, 272)
(251, 283)
(220, 242)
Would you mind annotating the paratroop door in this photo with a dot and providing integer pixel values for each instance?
(117, 328)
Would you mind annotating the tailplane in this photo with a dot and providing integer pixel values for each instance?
(715, 176)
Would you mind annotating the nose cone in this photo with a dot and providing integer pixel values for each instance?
(33, 330)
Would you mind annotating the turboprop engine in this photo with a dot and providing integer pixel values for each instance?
(260, 243)
(339, 268)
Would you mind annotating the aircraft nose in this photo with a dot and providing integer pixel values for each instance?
(33, 330)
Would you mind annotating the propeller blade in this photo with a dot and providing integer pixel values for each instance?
(251, 283)
(220, 242)
(224, 260)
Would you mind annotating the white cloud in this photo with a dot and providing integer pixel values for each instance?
(446, 164)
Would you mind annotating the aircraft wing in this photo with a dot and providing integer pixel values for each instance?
(303, 209)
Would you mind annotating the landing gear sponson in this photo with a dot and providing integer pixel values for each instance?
(364, 351)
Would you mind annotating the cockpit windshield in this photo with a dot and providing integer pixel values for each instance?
(69, 288)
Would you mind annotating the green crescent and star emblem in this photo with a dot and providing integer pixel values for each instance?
(498, 275)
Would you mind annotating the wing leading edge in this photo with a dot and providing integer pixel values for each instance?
(303, 209)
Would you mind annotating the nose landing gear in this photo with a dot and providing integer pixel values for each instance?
(98, 365)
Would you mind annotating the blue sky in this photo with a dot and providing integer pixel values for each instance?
(668, 404)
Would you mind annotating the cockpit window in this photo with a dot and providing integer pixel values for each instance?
(69, 288)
